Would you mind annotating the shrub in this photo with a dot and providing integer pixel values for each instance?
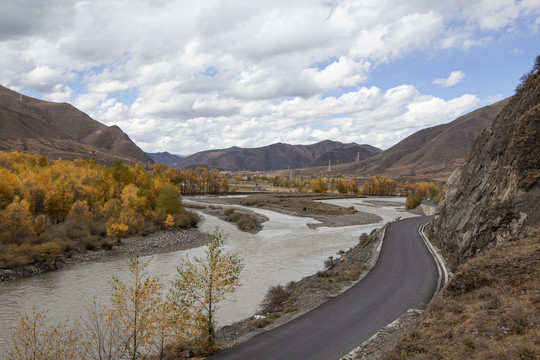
(275, 298)
(413, 201)
(186, 219)
(246, 222)
(99, 228)
(169, 200)
(117, 230)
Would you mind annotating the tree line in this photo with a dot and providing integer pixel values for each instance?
(374, 186)
(143, 321)
(50, 209)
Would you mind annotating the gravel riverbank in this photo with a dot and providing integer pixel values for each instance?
(156, 243)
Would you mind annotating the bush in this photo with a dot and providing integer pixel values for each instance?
(246, 222)
(186, 219)
(99, 228)
(274, 299)
(117, 230)
(169, 200)
(413, 201)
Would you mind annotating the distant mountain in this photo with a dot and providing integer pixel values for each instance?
(433, 152)
(345, 155)
(166, 158)
(271, 157)
(60, 130)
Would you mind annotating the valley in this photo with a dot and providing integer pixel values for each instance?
(286, 247)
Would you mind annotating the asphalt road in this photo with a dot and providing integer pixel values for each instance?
(405, 277)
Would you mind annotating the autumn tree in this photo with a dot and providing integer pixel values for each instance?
(58, 203)
(36, 339)
(16, 223)
(201, 284)
(136, 305)
(169, 200)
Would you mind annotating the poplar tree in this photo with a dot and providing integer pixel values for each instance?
(201, 284)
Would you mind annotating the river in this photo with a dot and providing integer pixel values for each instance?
(285, 250)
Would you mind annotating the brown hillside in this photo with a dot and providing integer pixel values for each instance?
(271, 157)
(429, 154)
(432, 152)
(60, 130)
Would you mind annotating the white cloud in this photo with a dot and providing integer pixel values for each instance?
(60, 93)
(454, 78)
(184, 75)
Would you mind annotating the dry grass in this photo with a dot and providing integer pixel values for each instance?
(490, 310)
(299, 204)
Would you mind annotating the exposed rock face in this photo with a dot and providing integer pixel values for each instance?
(494, 196)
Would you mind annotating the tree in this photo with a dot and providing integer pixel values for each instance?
(36, 339)
(16, 223)
(535, 70)
(169, 200)
(102, 334)
(136, 305)
(58, 203)
(202, 283)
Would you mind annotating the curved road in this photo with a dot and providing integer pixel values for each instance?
(405, 277)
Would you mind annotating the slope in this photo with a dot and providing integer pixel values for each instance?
(433, 152)
(271, 157)
(61, 130)
(493, 197)
(345, 155)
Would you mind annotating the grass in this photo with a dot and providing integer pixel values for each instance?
(489, 310)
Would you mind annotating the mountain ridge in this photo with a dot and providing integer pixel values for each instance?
(61, 130)
(276, 156)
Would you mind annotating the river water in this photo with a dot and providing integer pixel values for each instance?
(285, 250)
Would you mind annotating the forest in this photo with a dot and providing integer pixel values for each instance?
(52, 209)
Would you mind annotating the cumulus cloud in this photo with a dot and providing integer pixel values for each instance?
(454, 78)
(185, 76)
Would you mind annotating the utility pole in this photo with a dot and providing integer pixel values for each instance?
(329, 162)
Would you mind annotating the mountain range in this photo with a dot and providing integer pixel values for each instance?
(429, 154)
(61, 130)
(272, 157)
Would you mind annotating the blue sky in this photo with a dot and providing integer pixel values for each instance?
(184, 76)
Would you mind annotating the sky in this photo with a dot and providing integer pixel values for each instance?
(184, 76)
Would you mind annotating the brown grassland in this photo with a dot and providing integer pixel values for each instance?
(489, 310)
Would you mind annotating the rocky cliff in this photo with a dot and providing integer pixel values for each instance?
(494, 196)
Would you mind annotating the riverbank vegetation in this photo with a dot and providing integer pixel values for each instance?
(142, 322)
(49, 210)
(370, 186)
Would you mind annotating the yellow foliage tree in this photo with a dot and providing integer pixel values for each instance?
(16, 223)
(201, 284)
(136, 305)
(36, 339)
(58, 203)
